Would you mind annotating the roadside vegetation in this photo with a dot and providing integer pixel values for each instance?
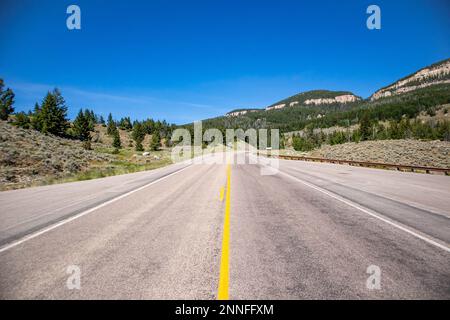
(395, 114)
(42, 146)
(408, 152)
(419, 128)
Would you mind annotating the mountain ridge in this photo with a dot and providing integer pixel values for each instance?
(434, 74)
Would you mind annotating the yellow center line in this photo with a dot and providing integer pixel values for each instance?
(224, 262)
(221, 193)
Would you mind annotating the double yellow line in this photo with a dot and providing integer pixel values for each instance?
(225, 259)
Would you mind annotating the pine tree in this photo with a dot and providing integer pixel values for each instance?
(81, 128)
(155, 143)
(52, 114)
(22, 120)
(94, 117)
(116, 140)
(101, 121)
(138, 135)
(111, 126)
(125, 123)
(36, 122)
(364, 127)
(148, 126)
(6, 102)
(301, 144)
(90, 117)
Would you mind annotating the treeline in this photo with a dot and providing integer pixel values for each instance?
(373, 130)
(299, 117)
(409, 105)
(50, 117)
(139, 129)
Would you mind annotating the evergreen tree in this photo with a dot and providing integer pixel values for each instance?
(111, 126)
(81, 128)
(364, 127)
(148, 126)
(301, 144)
(155, 143)
(404, 127)
(52, 114)
(116, 140)
(125, 123)
(6, 101)
(94, 117)
(101, 121)
(22, 120)
(138, 135)
(90, 117)
(36, 122)
(394, 132)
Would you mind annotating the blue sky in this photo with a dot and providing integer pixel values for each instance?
(189, 60)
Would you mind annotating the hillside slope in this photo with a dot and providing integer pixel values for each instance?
(438, 73)
(422, 91)
(316, 97)
(27, 156)
(30, 158)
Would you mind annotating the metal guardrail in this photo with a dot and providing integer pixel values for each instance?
(399, 167)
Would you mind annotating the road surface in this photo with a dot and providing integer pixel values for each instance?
(310, 231)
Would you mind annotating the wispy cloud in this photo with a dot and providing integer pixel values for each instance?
(137, 105)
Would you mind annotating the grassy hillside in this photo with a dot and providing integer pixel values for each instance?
(30, 158)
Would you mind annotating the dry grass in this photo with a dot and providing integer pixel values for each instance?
(29, 158)
(407, 152)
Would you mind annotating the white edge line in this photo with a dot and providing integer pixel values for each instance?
(430, 241)
(81, 214)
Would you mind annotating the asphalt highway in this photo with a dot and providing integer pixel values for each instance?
(194, 231)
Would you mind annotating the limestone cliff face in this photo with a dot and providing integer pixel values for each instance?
(435, 74)
(278, 106)
(338, 99)
(315, 97)
(342, 99)
(239, 112)
(312, 101)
